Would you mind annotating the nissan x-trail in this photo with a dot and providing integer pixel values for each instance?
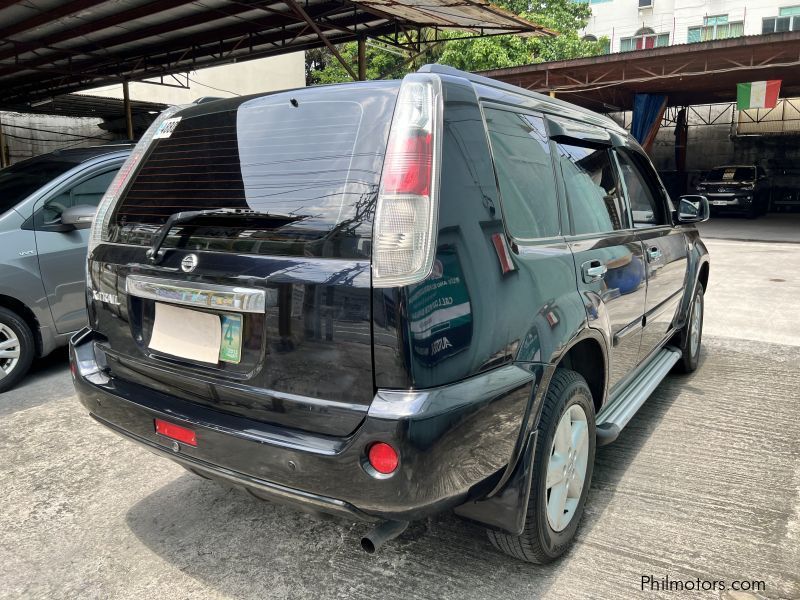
(389, 299)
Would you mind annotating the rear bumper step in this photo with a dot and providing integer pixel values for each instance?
(616, 415)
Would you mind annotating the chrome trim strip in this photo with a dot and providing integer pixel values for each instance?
(199, 295)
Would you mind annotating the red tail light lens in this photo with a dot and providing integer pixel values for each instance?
(408, 168)
(405, 215)
(382, 457)
(176, 432)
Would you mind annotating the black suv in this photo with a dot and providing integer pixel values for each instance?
(737, 188)
(388, 299)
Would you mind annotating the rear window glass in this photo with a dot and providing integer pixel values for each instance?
(312, 158)
(732, 174)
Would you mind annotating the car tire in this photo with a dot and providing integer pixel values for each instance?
(568, 398)
(691, 336)
(17, 348)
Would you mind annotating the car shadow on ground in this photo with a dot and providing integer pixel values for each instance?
(245, 548)
(35, 387)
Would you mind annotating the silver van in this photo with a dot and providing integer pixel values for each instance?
(46, 207)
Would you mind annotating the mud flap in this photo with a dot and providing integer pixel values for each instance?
(507, 509)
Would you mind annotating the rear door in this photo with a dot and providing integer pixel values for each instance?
(665, 246)
(62, 251)
(609, 257)
(279, 329)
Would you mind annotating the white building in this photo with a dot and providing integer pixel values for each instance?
(637, 24)
(257, 76)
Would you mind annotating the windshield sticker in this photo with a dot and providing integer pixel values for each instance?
(166, 128)
(728, 174)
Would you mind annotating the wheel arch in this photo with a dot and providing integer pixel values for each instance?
(587, 355)
(27, 315)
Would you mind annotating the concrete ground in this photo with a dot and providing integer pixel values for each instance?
(774, 227)
(703, 483)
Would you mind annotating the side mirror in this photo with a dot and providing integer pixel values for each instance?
(693, 209)
(78, 217)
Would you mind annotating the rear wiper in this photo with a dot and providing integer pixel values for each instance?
(154, 254)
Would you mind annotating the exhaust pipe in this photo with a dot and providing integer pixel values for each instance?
(380, 534)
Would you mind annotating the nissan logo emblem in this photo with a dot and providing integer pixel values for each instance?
(189, 263)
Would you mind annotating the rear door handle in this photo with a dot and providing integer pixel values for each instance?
(653, 253)
(593, 270)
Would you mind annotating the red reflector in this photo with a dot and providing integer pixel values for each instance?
(176, 432)
(408, 169)
(382, 457)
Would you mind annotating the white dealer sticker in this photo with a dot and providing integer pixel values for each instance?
(166, 128)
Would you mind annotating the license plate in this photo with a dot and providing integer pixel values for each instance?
(720, 202)
(196, 335)
(230, 348)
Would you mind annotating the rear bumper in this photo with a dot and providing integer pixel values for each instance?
(454, 442)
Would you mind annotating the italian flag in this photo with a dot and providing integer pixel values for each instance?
(758, 94)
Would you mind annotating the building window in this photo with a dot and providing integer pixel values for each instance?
(644, 38)
(788, 19)
(605, 43)
(716, 28)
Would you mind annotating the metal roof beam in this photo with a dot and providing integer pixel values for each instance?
(48, 16)
(93, 26)
(156, 30)
(199, 48)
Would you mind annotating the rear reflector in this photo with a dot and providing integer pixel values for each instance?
(176, 432)
(382, 457)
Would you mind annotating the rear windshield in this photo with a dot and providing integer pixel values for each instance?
(308, 161)
(732, 174)
(19, 181)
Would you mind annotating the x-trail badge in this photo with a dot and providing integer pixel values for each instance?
(189, 263)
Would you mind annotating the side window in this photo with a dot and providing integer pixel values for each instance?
(647, 205)
(89, 192)
(524, 173)
(591, 187)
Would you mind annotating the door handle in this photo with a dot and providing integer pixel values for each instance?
(653, 253)
(593, 270)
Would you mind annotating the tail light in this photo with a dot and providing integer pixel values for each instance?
(102, 217)
(406, 214)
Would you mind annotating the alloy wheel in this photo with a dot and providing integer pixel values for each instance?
(566, 470)
(696, 325)
(9, 350)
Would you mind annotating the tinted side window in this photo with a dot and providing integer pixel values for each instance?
(525, 173)
(592, 190)
(88, 192)
(647, 206)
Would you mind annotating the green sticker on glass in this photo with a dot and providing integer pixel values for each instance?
(230, 348)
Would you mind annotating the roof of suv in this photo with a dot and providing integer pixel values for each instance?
(559, 106)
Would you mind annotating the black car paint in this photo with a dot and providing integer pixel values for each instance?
(463, 426)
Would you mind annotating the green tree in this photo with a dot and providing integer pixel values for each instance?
(565, 17)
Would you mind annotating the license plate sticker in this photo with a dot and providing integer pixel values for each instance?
(230, 347)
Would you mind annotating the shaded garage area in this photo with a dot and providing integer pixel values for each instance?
(51, 48)
(698, 127)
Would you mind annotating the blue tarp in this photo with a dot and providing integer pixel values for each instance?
(647, 111)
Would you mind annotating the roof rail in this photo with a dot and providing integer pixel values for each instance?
(502, 85)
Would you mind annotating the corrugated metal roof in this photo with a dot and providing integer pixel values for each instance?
(53, 47)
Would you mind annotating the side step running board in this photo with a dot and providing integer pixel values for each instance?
(614, 416)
